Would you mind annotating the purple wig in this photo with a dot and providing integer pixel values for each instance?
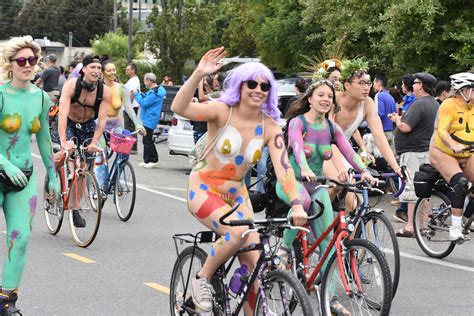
(251, 71)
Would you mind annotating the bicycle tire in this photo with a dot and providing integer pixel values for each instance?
(383, 243)
(53, 213)
(122, 189)
(179, 277)
(84, 236)
(435, 231)
(299, 303)
(358, 303)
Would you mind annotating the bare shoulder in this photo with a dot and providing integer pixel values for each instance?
(272, 128)
(69, 87)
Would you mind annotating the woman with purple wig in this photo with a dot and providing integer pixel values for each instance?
(240, 124)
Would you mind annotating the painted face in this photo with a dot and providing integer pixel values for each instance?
(110, 72)
(359, 87)
(252, 94)
(92, 72)
(22, 73)
(321, 99)
(335, 77)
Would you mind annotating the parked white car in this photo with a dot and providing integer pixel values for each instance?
(180, 135)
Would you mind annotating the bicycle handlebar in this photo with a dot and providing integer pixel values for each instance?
(392, 175)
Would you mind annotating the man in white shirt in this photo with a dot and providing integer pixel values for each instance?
(133, 84)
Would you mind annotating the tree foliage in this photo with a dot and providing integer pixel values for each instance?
(179, 33)
(55, 19)
(9, 10)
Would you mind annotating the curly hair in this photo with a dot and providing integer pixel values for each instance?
(15, 44)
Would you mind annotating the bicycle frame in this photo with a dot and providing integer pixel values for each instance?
(114, 172)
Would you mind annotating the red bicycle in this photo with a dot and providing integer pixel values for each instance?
(357, 275)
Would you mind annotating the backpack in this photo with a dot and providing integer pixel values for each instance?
(98, 97)
(275, 207)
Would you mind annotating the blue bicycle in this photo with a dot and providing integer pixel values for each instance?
(121, 181)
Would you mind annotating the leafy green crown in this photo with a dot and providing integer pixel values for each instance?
(351, 66)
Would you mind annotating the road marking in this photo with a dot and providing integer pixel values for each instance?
(433, 260)
(4, 232)
(78, 258)
(403, 254)
(145, 188)
(158, 287)
(172, 189)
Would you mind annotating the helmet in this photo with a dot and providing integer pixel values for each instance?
(461, 80)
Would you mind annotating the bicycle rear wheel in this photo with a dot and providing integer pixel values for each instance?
(432, 220)
(180, 305)
(86, 200)
(125, 191)
(372, 294)
(379, 231)
(53, 212)
(283, 294)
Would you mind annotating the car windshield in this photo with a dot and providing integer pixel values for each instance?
(286, 85)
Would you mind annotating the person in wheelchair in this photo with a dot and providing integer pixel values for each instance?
(451, 148)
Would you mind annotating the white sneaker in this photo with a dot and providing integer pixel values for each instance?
(142, 164)
(152, 165)
(455, 234)
(201, 292)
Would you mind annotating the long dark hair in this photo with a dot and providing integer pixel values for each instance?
(302, 105)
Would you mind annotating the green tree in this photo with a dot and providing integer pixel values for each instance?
(9, 10)
(56, 18)
(178, 34)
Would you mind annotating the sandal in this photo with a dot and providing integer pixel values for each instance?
(338, 309)
(283, 253)
(405, 233)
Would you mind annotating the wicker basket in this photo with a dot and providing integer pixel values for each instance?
(121, 144)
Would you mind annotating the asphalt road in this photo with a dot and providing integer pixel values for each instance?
(126, 271)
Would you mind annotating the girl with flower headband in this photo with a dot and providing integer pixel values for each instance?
(329, 69)
(310, 136)
(355, 106)
(240, 124)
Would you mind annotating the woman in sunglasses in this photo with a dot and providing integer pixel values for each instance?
(310, 136)
(240, 124)
(23, 112)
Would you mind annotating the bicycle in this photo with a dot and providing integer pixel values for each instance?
(121, 181)
(348, 277)
(432, 219)
(372, 224)
(279, 291)
(77, 189)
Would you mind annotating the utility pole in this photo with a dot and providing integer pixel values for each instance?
(130, 29)
(139, 11)
(115, 16)
(70, 47)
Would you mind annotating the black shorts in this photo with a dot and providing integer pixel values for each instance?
(81, 133)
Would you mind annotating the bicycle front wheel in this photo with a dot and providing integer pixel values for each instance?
(53, 212)
(125, 191)
(379, 231)
(432, 220)
(185, 268)
(284, 295)
(85, 202)
(367, 274)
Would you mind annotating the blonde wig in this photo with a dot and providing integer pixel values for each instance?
(13, 46)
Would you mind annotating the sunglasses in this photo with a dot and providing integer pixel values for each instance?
(21, 61)
(252, 84)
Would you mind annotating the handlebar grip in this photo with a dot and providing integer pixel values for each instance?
(241, 222)
(322, 179)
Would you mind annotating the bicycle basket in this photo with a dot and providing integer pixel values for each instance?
(120, 143)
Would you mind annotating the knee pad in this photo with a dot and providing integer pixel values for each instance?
(460, 187)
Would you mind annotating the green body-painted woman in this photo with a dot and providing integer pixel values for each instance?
(23, 112)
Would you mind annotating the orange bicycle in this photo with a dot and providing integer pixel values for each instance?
(80, 194)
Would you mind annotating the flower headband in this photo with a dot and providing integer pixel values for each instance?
(352, 66)
(323, 68)
(318, 83)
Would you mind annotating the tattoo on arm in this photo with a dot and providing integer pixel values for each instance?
(280, 143)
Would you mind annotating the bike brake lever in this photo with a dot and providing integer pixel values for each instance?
(299, 228)
(252, 230)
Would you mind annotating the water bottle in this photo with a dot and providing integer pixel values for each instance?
(239, 279)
